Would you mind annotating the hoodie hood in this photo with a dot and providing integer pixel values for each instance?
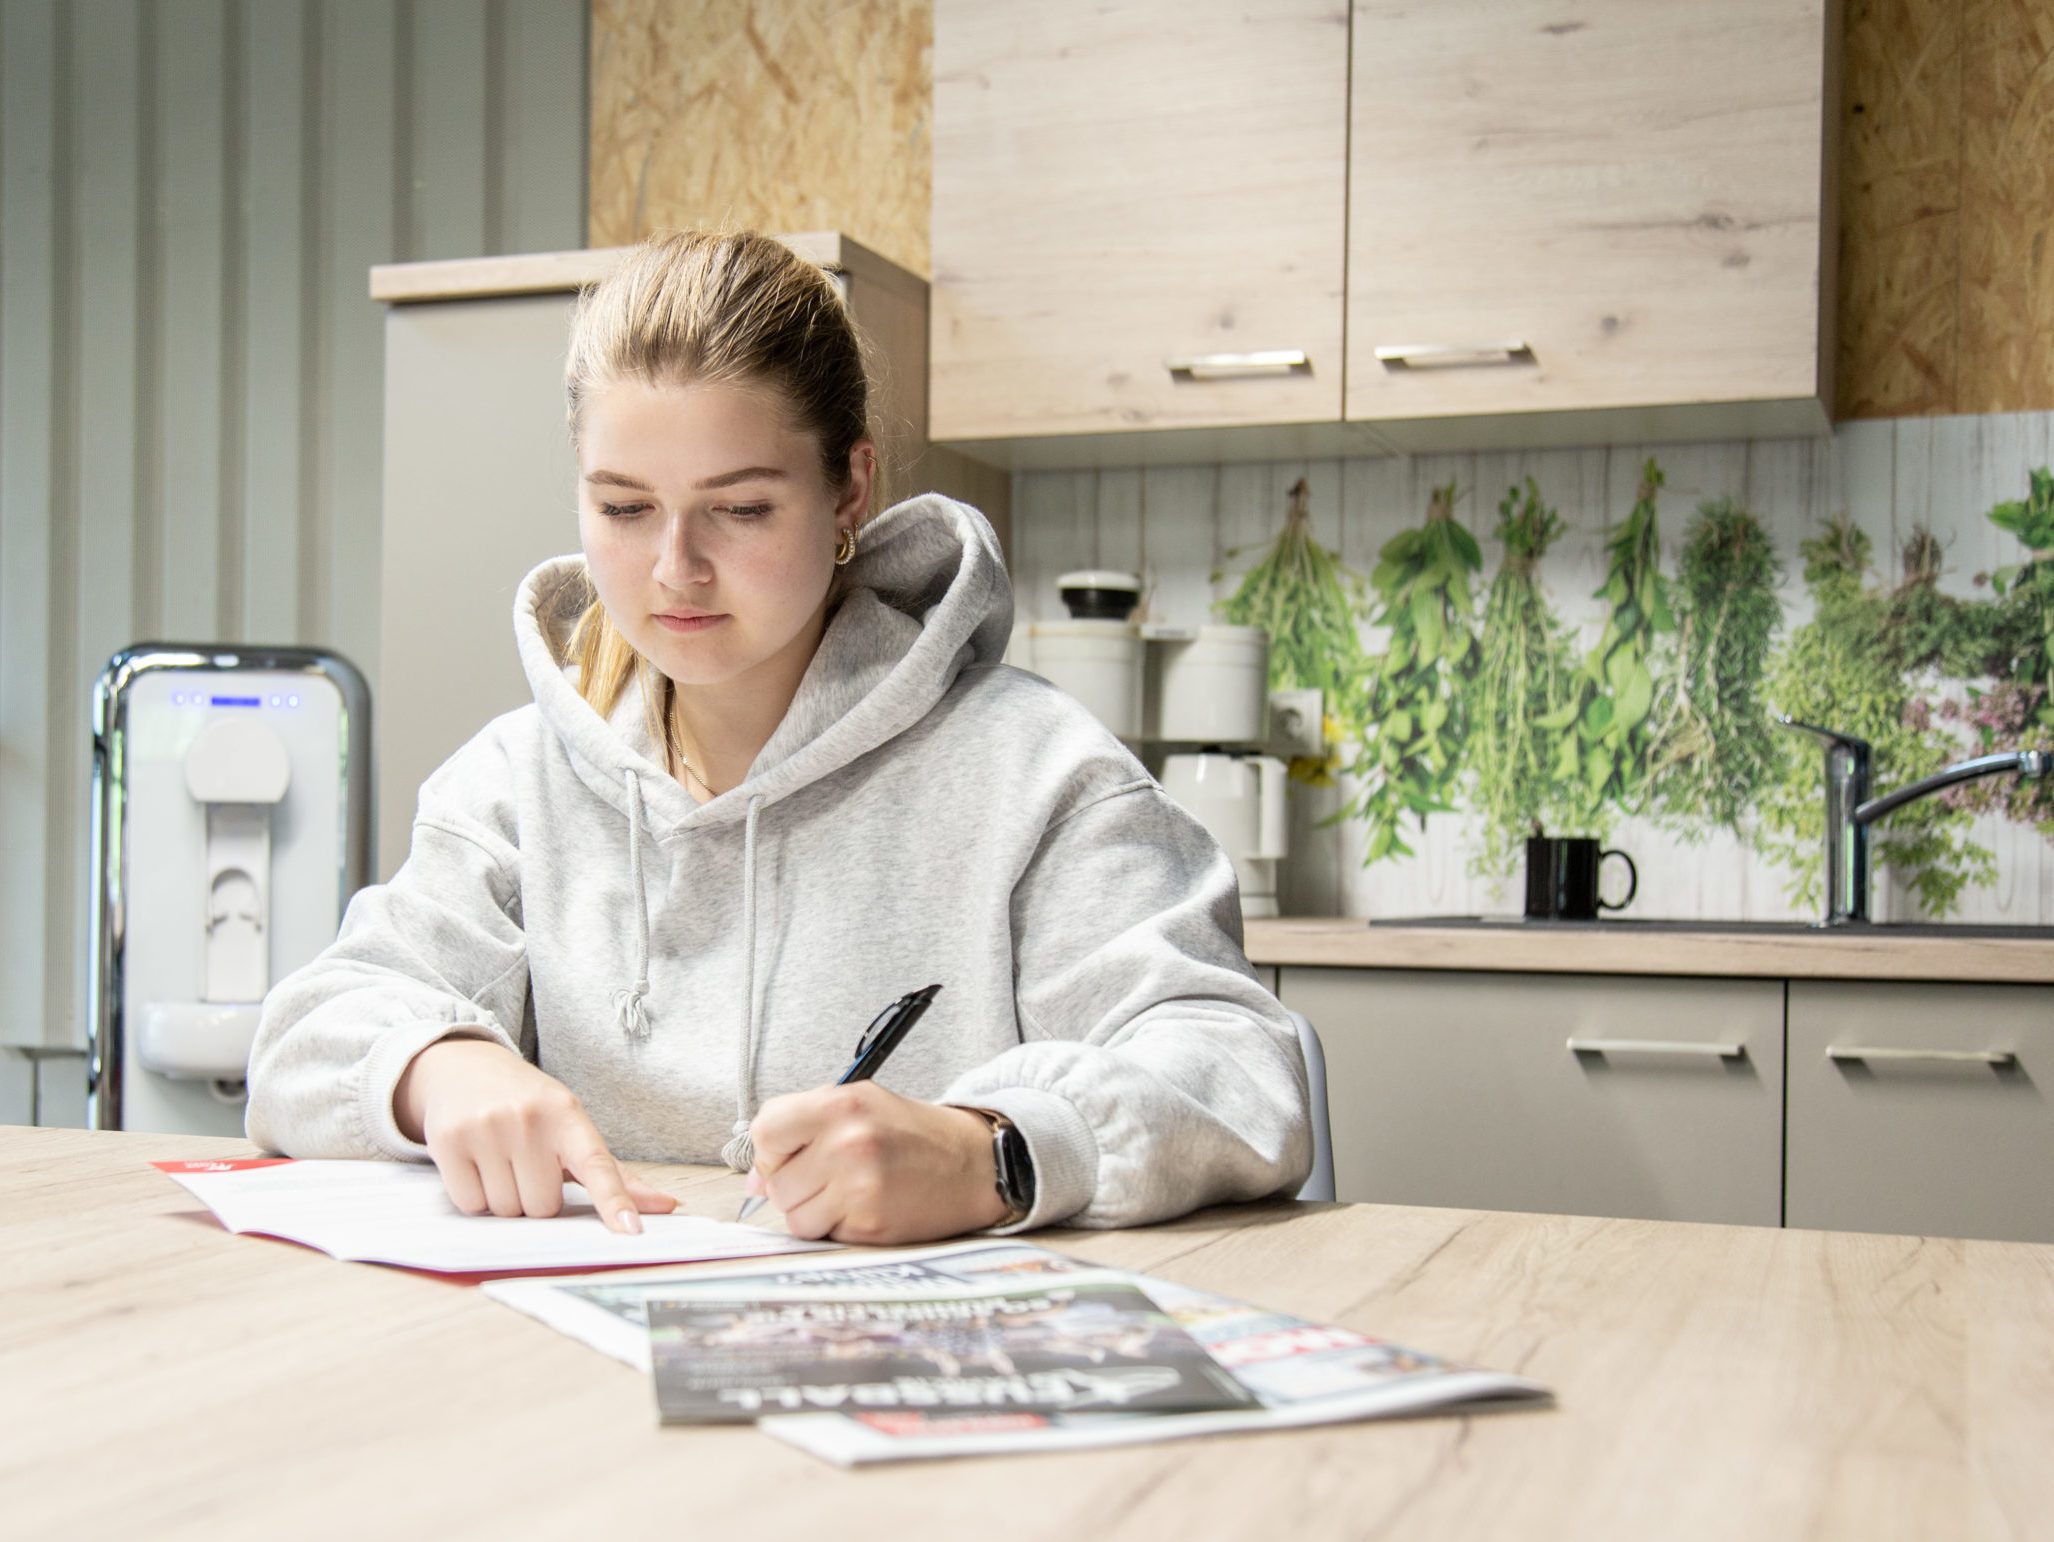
(925, 596)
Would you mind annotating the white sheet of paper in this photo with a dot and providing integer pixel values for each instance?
(399, 1213)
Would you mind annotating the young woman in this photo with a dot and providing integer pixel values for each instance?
(775, 777)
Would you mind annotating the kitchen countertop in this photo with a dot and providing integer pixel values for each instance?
(1657, 948)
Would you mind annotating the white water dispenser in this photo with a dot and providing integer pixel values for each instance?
(231, 825)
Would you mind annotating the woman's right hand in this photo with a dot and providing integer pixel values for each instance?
(504, 1136)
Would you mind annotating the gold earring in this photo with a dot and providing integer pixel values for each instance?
(845, 548)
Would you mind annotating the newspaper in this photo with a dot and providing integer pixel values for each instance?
(1062, 1343)
(1299, 1373)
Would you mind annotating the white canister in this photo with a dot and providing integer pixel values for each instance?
(1099, 663)
(1214, 687)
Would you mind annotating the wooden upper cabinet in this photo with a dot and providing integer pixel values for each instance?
(1564, 205)
(1121, 188)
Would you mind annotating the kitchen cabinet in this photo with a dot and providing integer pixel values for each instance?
(1121, 189)
(1594, 1095)
(1390, 226)
(1556, 209)
(1922, 1108)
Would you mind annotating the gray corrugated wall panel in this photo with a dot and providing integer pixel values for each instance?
(192, 213)
(274, 236)
(32, 210)
(365, 187)
(451, 44)
(191, 194)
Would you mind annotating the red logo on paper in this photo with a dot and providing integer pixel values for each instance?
(229, 1165)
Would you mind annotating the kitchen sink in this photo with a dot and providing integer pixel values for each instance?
(1643, 925)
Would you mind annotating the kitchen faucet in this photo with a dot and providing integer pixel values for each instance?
(1850, 810)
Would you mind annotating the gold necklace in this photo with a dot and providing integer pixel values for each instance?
(670, 737)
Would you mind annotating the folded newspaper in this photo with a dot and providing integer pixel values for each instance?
(1066, 1343)
(1296, 1372)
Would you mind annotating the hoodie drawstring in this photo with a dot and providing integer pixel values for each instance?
(630, 1004)
(740, 1152)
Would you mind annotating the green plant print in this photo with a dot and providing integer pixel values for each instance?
(2029, 585)
(1841, 671)
(1527, 672)
(1309, 603)
(1408, 746)
(1716, 746)
(1616, 716)
(1928, 631)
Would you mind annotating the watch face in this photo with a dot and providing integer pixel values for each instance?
(1016, 1170)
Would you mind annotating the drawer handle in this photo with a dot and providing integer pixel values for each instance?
(1236, 366)
(1871, 1052)
(1654, 1047)
(1452, 355)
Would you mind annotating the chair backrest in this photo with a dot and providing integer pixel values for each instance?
(1321, 1184)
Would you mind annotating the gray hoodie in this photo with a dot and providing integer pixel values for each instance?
(923, 814)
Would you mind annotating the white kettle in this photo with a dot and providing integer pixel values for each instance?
(1240, 799)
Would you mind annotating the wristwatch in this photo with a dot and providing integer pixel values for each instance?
(1014, 1166)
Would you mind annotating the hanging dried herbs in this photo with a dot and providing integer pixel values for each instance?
(1926, 629)
(1716, 746)
(1841, 671)
(1616, 723)
(1408, 748)
(1526, 675)
(2029, 586)
(1308, 602)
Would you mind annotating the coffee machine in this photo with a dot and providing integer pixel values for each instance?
(1194, 703)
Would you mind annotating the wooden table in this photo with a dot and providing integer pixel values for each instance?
(160, 1377)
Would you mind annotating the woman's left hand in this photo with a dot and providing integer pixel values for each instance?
(859, 1164)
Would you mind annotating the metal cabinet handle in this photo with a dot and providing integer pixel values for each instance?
(1874, 1052)
(1654, 1047)
(1443, 355)
(1233, 366)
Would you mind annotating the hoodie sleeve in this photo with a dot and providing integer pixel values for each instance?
(436, 953)
(1157, 1075)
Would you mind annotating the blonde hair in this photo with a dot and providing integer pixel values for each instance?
(731, 307)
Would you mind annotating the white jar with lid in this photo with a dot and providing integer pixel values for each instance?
(1099, 663)
(1212, 686)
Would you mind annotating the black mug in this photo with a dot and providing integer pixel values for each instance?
(1562, 878)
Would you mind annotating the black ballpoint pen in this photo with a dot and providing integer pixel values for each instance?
(872, 1050)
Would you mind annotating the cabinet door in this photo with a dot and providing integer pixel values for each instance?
(1119, 187)
(1463, 1090)
(1630, 188)
(1945, 1131)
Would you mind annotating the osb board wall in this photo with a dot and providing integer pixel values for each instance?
(775, 114)
(814, 114)
(1947, 208)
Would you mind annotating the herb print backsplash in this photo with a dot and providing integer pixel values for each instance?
(1597, 639)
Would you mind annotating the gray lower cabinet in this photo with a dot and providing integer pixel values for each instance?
(1943, 1128)
(1463, 1090)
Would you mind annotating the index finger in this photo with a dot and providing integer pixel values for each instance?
(586, 1159)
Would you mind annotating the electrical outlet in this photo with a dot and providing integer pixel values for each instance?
(1296, 722)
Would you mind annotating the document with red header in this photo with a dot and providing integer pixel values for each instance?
(399, 1213)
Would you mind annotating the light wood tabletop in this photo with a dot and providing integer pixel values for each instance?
(161, 1377)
